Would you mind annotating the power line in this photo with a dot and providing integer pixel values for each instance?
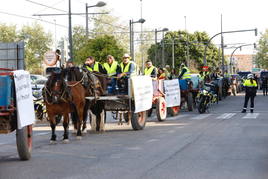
(21, 16)
(46, 6)
(51, 5)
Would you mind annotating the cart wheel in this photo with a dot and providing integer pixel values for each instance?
(24, 142)
(174, 111)
(190, 101)
(149, 112)
(161, 109)
(138, 120)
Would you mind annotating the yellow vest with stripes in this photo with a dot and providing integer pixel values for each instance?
(111, 70)
(187, 74)
(249, 84)
(126, 69)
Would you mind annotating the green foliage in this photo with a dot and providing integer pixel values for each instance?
(37, 42)
(98, 47)
(8, 33)
(196, 47)
(261, 58)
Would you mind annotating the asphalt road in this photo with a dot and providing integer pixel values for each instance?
(217, 145)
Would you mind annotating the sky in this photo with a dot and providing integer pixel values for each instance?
(200, 15)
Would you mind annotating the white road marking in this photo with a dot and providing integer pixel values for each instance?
(226, 116)
(152, 140)
(251, 115)
(179, 116)
(42, 133)
(201, 116)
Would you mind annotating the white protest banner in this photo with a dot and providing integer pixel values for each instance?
(173, 93)
(24, 98)
(143, 92)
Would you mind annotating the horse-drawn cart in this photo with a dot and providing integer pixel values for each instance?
(134, 104)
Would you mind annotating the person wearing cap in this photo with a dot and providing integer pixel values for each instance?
(185, 72)
(93, 66)
(150, 70)
(251, 89)
(128, 68)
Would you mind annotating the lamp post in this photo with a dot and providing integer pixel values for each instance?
(99, 4)
(131, 34)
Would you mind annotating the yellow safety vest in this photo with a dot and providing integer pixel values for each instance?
(125, 69)
(187, 74)
(95, 68)
(148, 71)
(248, 83)
(111, 70)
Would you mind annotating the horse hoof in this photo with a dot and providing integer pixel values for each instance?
(65, 141)
(53, 142)
(79, 137)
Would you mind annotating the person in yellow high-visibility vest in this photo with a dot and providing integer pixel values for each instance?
(128, 68)
(185, 72)
(93, 66)
(150, 70)
(111, 66)
(251, 89)
(113, 69)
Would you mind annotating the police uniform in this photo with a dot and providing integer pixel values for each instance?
(251, 90)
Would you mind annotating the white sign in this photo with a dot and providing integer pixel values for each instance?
(24, 98)
(143, 92)
(173, 93)
(50, 58)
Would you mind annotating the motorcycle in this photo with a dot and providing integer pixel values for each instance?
(206, 97)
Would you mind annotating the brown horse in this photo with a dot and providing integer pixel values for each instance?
(62, 98)
(95, 85)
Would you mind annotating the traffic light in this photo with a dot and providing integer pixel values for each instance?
(256, 32)
(255, 46)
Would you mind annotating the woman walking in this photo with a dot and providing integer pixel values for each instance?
(251, 89)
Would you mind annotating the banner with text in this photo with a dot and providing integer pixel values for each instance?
(143, 92)
(173, 93)
(24, 98)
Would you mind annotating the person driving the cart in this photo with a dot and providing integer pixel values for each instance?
(112, 68)
(150, 70)
(93, 66)
(128, 69)
(185, 72)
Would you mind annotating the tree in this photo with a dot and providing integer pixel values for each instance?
(196, 44)
(37, 42)
(98, 47)
(261, 58)
(8, 33)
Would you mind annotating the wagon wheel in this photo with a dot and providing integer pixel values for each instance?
(138, 120)
(161, 109)
(24, 142)
(174, 111)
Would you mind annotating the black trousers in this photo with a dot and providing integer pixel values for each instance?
(265, 90)
(247, 97)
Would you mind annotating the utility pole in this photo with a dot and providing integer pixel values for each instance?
(155, 52)
(86, 21)
(222, 49)
(70, 34)
(163, 50)
(173, 54)
(187, 45)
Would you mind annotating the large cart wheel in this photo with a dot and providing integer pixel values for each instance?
(161, 109)
(174, 111)
(138, 120)
(190, 101)
(24, 142)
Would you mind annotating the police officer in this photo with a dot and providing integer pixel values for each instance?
(185, 72)
(93, 66)
(251, 89)
(150, 70)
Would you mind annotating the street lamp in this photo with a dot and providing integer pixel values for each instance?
(163, 50)
(99, 4)
(131, 35)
